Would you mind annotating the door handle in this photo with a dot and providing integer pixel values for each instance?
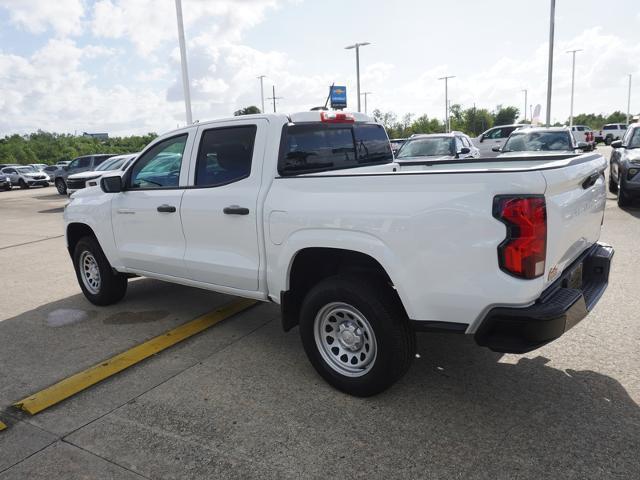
(166, 208)
(591, 180)
(235, 210)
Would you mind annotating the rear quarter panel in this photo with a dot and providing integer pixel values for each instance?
(433, 233)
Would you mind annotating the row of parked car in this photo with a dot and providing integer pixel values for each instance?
(67, 176)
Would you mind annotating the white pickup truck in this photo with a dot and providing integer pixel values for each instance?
(311, 212)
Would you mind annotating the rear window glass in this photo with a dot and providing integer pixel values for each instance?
(318, 147)
(611, 127)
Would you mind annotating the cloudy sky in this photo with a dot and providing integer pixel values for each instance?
(114, 66)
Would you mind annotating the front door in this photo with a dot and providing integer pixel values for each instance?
(220, 212)
(146, 215)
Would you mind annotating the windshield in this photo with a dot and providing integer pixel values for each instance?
(427, 147)
(111, 164)
(538, 142)
(26, 169)
(634, 141)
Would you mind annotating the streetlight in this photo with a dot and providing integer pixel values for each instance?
(629, 100)
(357, 47)
(446, 100)
(365, 94)
(525, 104)
(573, 78)
(183, 62)
(261, 78)
(552, 17)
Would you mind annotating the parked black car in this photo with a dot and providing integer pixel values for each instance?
(77, 165)
(624, 173)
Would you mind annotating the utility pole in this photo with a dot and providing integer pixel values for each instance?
(183, 62)
(525, 104)
(552, 20)
(629, 100)
(274, 98)
(446, 100)
(261, 78)
(357, 47)
(573, 79)
(365, 94)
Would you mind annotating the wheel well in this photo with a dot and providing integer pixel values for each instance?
(311, 265)
(75, 231)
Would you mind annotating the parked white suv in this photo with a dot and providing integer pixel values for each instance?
(26, 176)
(494, 137)
(583, 133)
(311, 211)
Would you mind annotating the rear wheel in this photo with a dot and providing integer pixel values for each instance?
(356, 334)
(98, 281)
(623, 199)
(61, 186)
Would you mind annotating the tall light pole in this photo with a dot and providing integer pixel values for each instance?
(552, 21)
(357, 47)
(183, 62)
(629, 100)
(261, 78)
(525, 104)
(573, 79)
(446, 100)
(365, 94)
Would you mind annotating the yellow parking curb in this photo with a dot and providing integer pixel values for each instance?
(2, 426)
(80, 381)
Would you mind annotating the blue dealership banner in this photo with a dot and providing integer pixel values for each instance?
(338, 96)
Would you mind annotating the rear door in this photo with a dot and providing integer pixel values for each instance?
(220, 211)
(146, 215)
(575, 198)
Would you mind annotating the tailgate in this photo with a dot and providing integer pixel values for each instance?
(575, 198)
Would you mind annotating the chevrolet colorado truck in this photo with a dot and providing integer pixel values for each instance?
(310, 211)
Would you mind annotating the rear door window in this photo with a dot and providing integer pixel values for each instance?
(310, 148)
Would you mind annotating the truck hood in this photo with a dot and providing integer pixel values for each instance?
(633, 155)
(86, 175)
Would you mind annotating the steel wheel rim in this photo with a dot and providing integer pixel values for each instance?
(345, 339)
(90, 272)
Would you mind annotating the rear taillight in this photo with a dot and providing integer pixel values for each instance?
(337, 117)
(523, 252)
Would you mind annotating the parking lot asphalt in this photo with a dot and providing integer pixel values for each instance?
(240, 400)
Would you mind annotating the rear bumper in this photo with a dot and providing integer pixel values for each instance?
(561, 306)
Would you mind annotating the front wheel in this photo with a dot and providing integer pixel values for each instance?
(613, 185)
(98, 281)
(623, 199)
(61, 186)
(356, 334)
(23, 184)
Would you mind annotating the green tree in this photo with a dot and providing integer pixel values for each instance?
(246, 111)
(506, 116)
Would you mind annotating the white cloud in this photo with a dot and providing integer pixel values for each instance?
(36, 16)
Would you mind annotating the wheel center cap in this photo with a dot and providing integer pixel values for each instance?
(349, 338)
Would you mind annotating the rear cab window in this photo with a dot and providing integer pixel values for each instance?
(317, 147)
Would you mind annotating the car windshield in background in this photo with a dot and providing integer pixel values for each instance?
(427, 147)
(111, 164)
(538, 142)
(26, 170)
(313, 147)
(634, 141)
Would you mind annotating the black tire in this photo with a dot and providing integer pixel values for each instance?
(7, 188)
(394, 339)
(61, 186)
(623, 199)
(24, 185)
(607, 141)
(613, 186)
(113, 285)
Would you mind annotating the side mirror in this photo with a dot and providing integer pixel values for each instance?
(465, 150)
(481, 138)
(111, 184)
(495, 148)
(616, 144)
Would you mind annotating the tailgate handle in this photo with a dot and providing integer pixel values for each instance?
(591, 180)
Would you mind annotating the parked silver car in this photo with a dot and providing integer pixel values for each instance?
(436, 146)
(26, 176)
(554, 140)
(494, 137)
